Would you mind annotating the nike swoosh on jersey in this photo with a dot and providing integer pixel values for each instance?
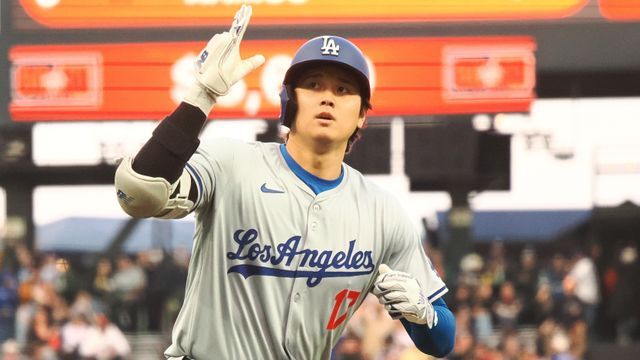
(265, 189)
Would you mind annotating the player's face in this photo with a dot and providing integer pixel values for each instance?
(329, 101)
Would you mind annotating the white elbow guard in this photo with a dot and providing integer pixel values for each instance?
(144, 196)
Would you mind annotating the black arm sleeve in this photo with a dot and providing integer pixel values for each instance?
(173, 142)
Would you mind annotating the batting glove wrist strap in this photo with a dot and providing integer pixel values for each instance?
(219, 65)
(402, 297)
(198, 96)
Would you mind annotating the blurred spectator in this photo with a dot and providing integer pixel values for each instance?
(570, 308)
(104, 341)
(160, 270)
(483, 351)
(510, 346)
(43, 336)
(399, 345)
(8, 255)
(625, 299)
(483, 295)
(525, 279)
(70, 279)
(481, 315)
(552, 276)
(102, 286)
(8, 305)
(59, 310)
(48, 270)
(495, 269)
(464, 346)
(583, 272)
(349, 348)
(32, 294)
(462, 297)
(73, 334)
(128, 284)
(86, 305)
(471, 266)
(544, 304)
(571, 315)
(373, 325)
(26, 263)
(507, 308)
(10, 350)
(482, 323)
(545, 332)
(464, 319)
(559, 347)
(24, 314)
(176, 280)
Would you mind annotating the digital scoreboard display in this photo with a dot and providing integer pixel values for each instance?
(60, 14)
(620, 10)
(145, 81)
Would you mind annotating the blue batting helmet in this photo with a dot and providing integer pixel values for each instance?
(323, 49)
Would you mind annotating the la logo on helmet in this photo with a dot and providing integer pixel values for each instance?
(329, 46)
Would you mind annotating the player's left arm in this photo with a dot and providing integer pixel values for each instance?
(409, 286)
(431, 326)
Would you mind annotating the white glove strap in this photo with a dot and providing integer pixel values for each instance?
(402, 296)
(198, 96)
(428, 316)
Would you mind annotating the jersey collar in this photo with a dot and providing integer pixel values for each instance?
(316, 184)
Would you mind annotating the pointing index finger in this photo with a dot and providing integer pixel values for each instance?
(240, 22)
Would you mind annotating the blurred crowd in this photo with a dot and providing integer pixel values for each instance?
(54, 308)
(518, 306)
(508, 305)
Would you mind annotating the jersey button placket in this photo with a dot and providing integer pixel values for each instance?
(295, 319)
(314, 224)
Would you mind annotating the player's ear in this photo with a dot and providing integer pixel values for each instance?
(362, 120)
(365, 106)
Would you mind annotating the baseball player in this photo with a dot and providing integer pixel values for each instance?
(289, 240)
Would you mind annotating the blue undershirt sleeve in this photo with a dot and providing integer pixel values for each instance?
(439, 340)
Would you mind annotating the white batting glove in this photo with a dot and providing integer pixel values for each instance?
(402, 296)
(219, 65)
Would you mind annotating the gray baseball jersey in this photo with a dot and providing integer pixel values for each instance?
(276, 270)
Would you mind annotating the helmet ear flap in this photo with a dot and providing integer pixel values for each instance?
(289, 105)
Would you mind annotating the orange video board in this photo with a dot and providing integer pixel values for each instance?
(410, 76)
(163, 13)
(620, 9)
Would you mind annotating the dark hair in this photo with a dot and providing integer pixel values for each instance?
(365, 106)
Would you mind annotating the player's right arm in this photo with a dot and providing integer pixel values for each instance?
(156, 183)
